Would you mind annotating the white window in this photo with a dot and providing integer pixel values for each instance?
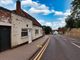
(24, 32)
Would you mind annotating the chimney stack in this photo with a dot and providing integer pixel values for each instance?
(18, 6)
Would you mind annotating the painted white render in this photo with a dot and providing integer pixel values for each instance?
(36, 35)
(18, 27)
(5, 24)
(19, 23)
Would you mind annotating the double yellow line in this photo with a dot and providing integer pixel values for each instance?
(39, 55)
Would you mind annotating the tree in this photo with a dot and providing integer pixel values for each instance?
(76, 12)
(78, 24)
(47, 29)
(73, 21)
(70, 23)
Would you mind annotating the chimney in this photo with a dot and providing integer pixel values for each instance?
(18, 6)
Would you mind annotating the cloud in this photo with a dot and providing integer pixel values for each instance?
(6, 2)
(58, 13)
(61, 21)
(66, 13)
(47, 23)
(58, 24)
(54, 24)
(9, 4)
(36, 8)
(29, 3)
(45, 10)
(62, 18)
(38, 11)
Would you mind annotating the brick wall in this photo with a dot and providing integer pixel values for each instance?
(5, 16)
(74, 33)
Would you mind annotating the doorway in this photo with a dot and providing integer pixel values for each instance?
(5, 35)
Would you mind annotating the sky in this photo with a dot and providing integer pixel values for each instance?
(47, 12)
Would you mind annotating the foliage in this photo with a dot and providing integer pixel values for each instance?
(73, 21)
(70, 23)
(47, 29)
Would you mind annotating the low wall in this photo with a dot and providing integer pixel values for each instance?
(75, 33)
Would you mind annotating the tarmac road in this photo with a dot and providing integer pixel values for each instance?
(61, 48)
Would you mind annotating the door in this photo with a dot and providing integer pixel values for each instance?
(5, 38)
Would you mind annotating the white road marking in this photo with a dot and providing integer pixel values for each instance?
(76, 45)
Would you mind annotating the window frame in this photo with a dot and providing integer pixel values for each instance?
(24, 32)
(36, 31)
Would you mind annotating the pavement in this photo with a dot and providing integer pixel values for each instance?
(61, 48)
(23, 52)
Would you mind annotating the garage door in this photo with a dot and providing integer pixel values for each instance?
(5, 38)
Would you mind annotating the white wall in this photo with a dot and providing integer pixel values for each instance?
(18, 23)
(34, 36)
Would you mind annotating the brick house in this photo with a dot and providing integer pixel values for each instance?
(17, 27)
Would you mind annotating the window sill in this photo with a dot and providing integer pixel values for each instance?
(24, 37)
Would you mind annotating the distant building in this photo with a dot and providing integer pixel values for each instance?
(17, 27)
(55, 32)
(61, 30)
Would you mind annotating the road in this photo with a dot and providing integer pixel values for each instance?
(61, 48)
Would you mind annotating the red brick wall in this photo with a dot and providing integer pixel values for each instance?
(75, 33)
(5, 16)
